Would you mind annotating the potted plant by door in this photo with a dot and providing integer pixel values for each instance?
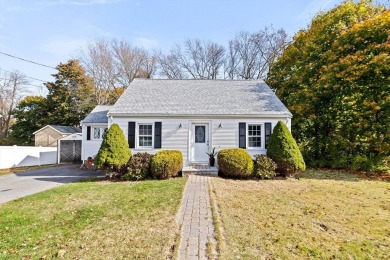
(212, 155)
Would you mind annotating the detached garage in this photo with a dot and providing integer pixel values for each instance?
(69, 149)
(49, 135)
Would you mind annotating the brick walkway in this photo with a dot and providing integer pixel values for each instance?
(196, 221)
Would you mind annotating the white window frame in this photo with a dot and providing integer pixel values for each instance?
(102, 131)
(261, 136)
(138, 136)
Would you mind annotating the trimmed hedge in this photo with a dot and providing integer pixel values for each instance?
(138, 167)
(114, 151)
(283, 149)
(235, 162)
(166, 164)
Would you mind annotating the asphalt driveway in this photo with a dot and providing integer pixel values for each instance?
(13, 186)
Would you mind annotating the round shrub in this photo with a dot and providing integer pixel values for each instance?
(283, 149)
(166, 164)
(235, 162)
(264, 167)
(114, 151)
(138, 167)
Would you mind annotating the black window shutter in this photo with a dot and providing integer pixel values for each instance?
(157, 134)
(131, 135)
(242, 135)
(268, 131)
(88, 133)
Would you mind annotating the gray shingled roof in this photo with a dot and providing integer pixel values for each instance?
(66, 129)
(98, 115)
(199, 97)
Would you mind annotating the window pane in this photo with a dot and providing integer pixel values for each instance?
(148, 130)
(145, 130)
(145, 141)
(200, 134)
(96, 133)
(148, 141)
(254, 135)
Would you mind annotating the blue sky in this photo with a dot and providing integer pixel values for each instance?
(53, 31)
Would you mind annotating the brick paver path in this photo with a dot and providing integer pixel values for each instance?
(196, 221)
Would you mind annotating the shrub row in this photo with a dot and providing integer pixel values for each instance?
(283, 154)
(238, 163)
(163, 165)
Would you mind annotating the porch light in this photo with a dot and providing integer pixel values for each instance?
(180, 126)
(220, 126)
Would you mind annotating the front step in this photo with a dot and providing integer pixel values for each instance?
(200, 169)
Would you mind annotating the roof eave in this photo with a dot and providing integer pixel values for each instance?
(269, 115)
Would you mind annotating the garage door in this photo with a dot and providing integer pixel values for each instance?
(70, 151)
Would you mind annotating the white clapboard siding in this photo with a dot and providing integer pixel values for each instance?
(175, 138)
(172, 137)
(91, 147)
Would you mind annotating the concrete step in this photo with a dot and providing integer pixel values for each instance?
(200, 170)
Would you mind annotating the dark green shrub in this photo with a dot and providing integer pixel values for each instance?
(138, 167)
(283, 149)
(114, 151)
(166, 164)
(264, 167)
(235, 162)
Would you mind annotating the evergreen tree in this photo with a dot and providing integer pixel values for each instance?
(30, 115)
(70, 96)
(283, 149)
(114, 151)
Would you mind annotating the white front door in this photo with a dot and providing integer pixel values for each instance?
(200, 143)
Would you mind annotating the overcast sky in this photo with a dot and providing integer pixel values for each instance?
(52, 31)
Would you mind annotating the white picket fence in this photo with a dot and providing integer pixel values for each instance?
(17, 156)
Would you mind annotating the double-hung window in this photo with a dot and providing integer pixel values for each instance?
(145, 135)
(254, 135)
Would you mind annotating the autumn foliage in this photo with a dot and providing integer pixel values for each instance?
(334, 78)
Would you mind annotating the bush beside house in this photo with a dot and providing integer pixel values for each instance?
(283, 149)
(235, 162)
(114, 151)
(264, 167)
(166, 164)
(138, 167)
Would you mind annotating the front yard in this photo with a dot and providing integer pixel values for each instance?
(322, 215)
(93, 220)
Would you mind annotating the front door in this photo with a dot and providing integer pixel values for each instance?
(200, 143)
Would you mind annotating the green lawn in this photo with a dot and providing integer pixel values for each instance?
(93, 220)
(323, 215)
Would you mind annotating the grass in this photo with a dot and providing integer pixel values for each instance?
(24, 168)
(93, 220)
(322, 215)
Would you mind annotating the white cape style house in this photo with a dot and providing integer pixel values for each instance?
(192, 116)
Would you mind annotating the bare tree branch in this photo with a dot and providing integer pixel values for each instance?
(198, 60)
(12, 88)
(250, 55)
(113, 65)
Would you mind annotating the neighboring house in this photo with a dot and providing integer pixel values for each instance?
(93, 127)
(47, 136)
(192, 116)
